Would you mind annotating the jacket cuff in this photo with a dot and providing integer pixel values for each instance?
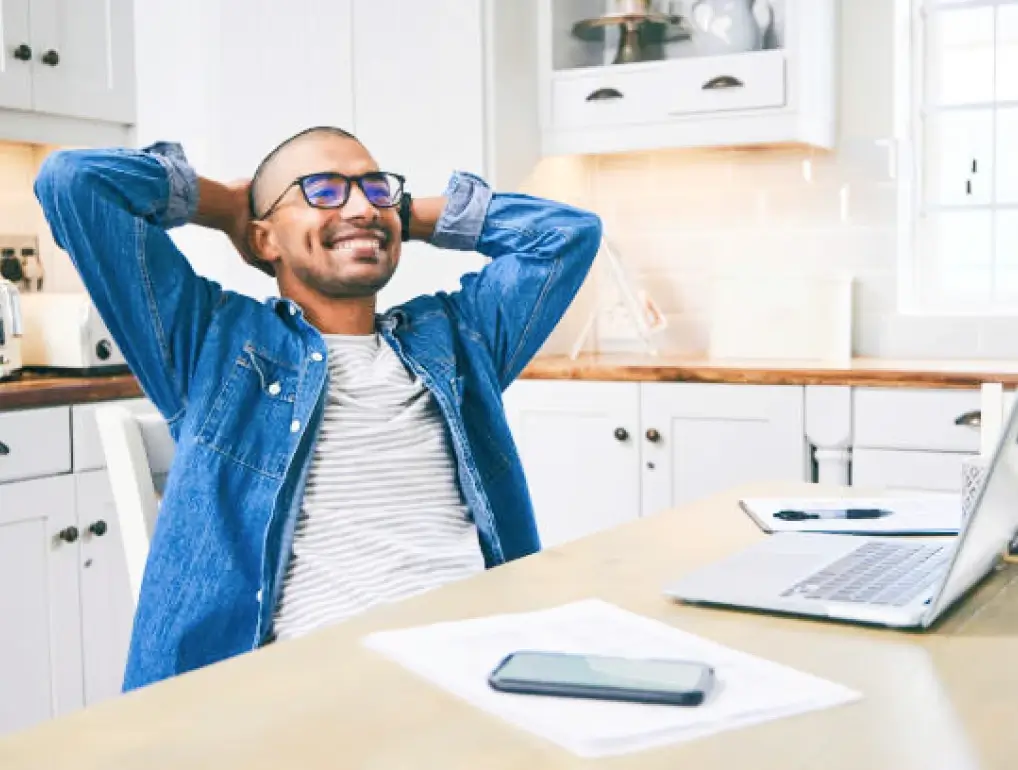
(462, 220)
(182, 200)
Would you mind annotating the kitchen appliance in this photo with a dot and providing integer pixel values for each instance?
(11, 329)
(63, 332)
(641, 29)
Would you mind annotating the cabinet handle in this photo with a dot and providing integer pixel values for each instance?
(604, 94)
(722, 81)
(653, 436)
(971, 419)
(51, 57)
(68, 535)
(23, 53)
(621, 434)
(97, 528)
(4, 449)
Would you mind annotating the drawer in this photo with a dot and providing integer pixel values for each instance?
(606, 98)
(36, 442)
(744, 81)
(914, 419)
(908, 470)
(88, 453)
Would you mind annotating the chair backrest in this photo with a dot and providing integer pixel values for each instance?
(139, 450)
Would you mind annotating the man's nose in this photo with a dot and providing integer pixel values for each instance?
(358, 206)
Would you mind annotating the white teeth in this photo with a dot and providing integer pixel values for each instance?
(357, 243)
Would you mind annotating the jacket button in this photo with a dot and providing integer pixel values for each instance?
(294, 426)
(316, 356)
(274, 389)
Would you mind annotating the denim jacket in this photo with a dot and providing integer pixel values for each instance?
(241, 383)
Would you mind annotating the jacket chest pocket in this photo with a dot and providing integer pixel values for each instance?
(249, 421)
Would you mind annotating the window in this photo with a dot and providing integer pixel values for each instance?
(959, 166)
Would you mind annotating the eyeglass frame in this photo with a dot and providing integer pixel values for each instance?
(351, 180)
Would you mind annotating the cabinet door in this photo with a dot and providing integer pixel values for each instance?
(908, 471)
(15, 71)
(107, 609)
(699, 440)
(421, 116)
(579, 448)
(40, 647)
(83, 63)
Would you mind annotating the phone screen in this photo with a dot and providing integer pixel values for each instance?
(665, 676)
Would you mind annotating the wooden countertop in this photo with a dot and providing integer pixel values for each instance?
(941, 699)
(37, 390)
(888, 373)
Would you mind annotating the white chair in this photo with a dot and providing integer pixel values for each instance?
(138, 449)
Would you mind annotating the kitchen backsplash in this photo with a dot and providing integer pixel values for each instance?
(20, 213)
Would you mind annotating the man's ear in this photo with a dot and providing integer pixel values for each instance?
(265, 251)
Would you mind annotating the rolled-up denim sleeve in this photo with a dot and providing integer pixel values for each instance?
(108, 209)
(541, 254)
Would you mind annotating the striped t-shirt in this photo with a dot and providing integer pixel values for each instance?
(382, 517)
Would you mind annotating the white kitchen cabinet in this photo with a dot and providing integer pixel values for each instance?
(40, 646)
(107, 608)
(908, 470)
(16, 61)
(67, 70)
(579, 444)
(466, 99)
(83, 63)
(598, 454)
(673, 96)
(701, 439)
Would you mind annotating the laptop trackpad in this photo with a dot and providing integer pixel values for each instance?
(767, 568)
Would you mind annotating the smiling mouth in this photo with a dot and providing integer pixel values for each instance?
(359, 248)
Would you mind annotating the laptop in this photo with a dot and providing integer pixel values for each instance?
(890, 581)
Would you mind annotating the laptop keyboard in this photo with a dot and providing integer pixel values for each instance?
(877, 573)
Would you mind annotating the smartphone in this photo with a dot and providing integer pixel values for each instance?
(648, 680)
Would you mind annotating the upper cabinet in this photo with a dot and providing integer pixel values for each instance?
(622, 75)
(67, 70)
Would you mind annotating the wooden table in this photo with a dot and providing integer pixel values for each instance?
(945, 700)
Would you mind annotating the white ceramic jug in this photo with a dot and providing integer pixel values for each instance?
(727, 26)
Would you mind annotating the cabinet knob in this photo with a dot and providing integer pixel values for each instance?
(97, 528)
(621, 434)
(4, 449)
(51, 58)
(23, 53)
(653, 436)
(970, 419)
(68, 534)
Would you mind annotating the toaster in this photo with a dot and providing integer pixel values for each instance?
(11, 328)
(63, 331)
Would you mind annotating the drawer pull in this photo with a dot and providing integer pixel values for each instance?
(4, 449)
(68, 534)
(722, 81)
(604, 94)
(970, 419)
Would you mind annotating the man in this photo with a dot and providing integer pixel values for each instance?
(328, 457)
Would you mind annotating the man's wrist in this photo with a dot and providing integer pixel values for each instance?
(424, 216)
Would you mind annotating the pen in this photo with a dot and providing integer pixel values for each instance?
(847, 513)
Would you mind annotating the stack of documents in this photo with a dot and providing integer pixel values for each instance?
(459, 657)
(924, 514)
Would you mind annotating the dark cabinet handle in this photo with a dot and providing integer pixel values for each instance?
(604, 94)
(653, 436)
(621, 434)
(68, 534)
(971, 419)
(722, 81)
(97, 528)
(51, 58)
(4, 449)
(23, 53)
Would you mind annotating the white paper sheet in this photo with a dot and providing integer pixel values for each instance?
(932, 514)
(459, 657)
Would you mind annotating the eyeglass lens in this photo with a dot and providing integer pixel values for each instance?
(332, 190)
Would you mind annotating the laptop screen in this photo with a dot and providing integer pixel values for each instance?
(993, 522)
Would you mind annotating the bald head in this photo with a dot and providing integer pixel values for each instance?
(280, 167)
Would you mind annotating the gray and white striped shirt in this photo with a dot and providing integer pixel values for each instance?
(382, 517)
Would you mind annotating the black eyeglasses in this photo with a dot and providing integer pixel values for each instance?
(331, 190)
